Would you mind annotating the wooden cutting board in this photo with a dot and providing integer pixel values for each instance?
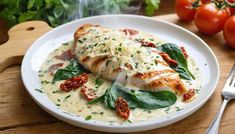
(20, 114)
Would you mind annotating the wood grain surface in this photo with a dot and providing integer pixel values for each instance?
(20, 114)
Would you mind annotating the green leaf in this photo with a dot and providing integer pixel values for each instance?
(151, 6)
(155, 100)
(98, 99)
(88, 118)
(175, 53)
(73, 69)
(58, 11)
(30, 15)
(123, 92)
(137, 99)
(30, 4)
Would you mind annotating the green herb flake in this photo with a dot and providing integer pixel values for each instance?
(58, 105)
(151, 39)
(98, 82)
(65, 44)
(138, 51)
(136, 65)
(88, 118)
(56, 91)
(80, 41)
(178, 108)
(95, 113)
(119, 49)
(167, 109)
(67, 97)
(44, 82)
(39, 90)
(129, 121)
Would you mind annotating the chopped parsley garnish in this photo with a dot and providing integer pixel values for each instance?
(80, 41)
(58, 105)
(136, 65)
(96, 44)
(88, 117)
(167, 109)
(129, 121)
(67, 97)
(65, 44)
(119, 49)
(56, 91)
(151, 39)
(39, 90)
(101, 113)
(99, 81)
(45, 82)
(178, 108)
(40, 75)
(138, 51)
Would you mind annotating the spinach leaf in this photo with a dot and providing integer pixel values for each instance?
(98, 99)
(175, 53)
(118, 91)
(154, 100)
(137, 99)
(73, 69)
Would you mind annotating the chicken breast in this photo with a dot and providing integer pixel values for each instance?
(108, 52)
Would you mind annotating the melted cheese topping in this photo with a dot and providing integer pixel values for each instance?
(121, 48)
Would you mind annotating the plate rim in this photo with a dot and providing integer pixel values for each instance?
(135, 126)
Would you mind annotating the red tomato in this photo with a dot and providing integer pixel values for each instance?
(232, 9)
(229, 31)
(185, 10)
(88, 93)
(66, 55)
(209, 19)
(74, 82)
(205, 1)
(188, 95)
(122, 108)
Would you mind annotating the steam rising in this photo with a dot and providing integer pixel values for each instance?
(85, 8)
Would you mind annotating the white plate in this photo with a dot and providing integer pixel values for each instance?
(196, 47)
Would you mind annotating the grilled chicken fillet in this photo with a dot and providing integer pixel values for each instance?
(108, 52)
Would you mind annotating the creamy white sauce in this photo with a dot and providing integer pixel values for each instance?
(73, 102)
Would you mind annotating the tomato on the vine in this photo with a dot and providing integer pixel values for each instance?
(185, 9)
(229, 31)
(205, 1)
(232, 9)
(209, 19)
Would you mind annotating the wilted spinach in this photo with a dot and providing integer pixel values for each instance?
(137, 99)
(73, 69)
(175, 53)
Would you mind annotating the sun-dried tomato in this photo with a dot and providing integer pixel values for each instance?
(188, 95)
(74, 82)
(147, 44)
(52, 69)
(122, 108)
(88, 93)
(168, 59)
(184, 52)
(66, 55)
(131, 32)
